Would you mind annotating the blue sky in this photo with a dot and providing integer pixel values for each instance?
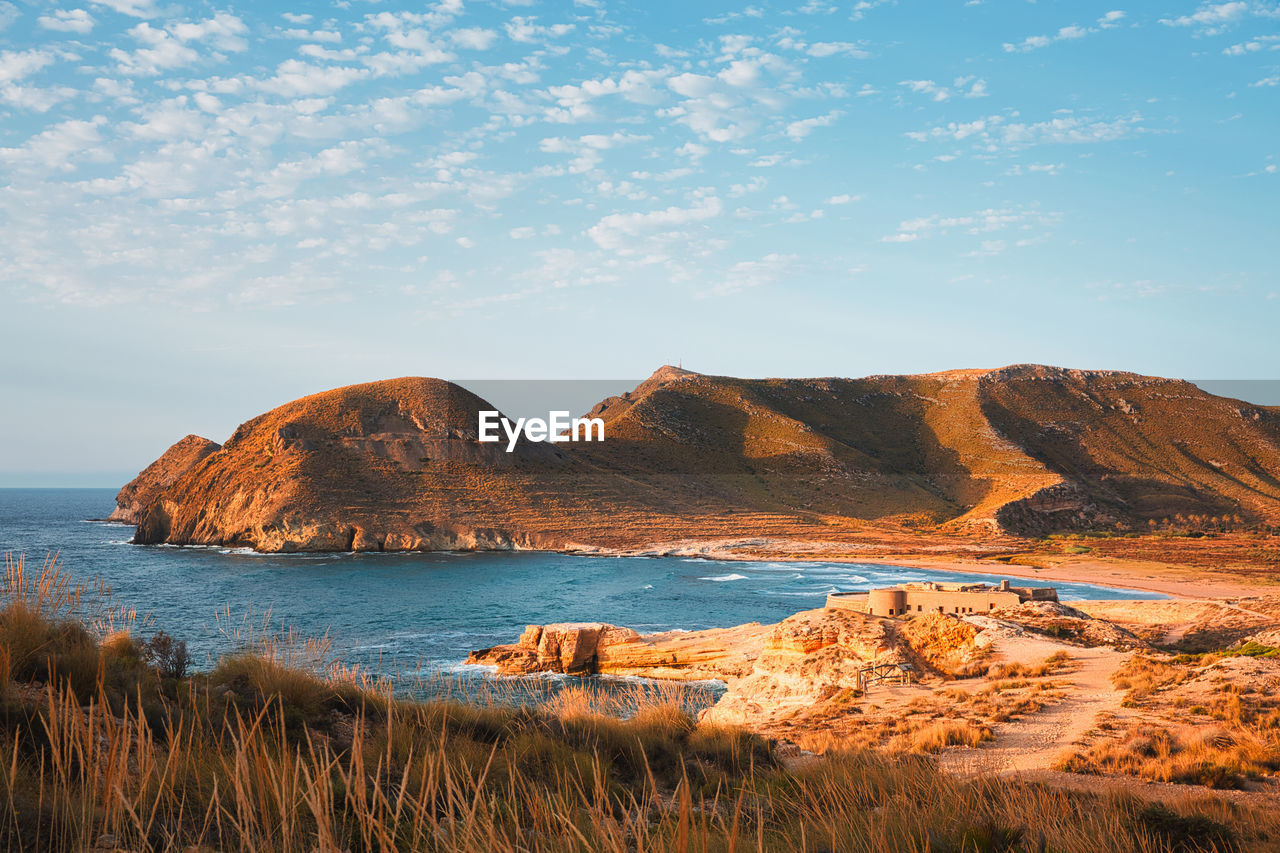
(210, 209)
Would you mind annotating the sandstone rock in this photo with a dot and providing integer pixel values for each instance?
(1068, 624)
(591, 648)
(160, 475)
(771, 671)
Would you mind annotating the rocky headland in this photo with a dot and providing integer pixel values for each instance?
(1023, 688)
(950, 457)
(148, 487)
(773, 672)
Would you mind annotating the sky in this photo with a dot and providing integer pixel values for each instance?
(207, 209)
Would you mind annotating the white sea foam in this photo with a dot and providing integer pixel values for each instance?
(488, 669)
(721, 578)
(807, 594)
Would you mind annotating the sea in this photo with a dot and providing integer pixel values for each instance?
(419, 613)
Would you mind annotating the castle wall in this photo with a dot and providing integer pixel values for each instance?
(933, 598)
(947, 601)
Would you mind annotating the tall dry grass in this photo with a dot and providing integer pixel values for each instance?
(265, 753)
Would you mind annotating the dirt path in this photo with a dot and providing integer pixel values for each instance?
(1036, 741)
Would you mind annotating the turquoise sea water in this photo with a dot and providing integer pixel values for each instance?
(404, 610)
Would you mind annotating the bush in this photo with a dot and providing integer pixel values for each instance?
(168, 656)
(1177, 832)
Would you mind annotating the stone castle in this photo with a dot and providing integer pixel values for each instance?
(930, 597)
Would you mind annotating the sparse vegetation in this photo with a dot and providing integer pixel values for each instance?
(1235, 738)
(1211, 756)
(275, 749)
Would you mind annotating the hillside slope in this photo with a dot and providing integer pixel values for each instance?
(396, 465)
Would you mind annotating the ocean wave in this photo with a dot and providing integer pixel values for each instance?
(703, 683)
(807, 594)
(463, 668)
(721, 578)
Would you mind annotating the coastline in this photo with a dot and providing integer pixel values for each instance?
(1170, 579)
(1165, 578)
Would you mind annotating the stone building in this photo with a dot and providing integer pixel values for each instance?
(930, 597)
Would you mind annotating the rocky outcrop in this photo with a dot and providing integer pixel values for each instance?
(1066, 624)
(147, 487)
(1029, 450)
(771, 671)
(597, 648)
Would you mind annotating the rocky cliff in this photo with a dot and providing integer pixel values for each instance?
(396, 465)
(772, 671)
(147, 487)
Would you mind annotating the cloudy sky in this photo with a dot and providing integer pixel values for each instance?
(210, 209)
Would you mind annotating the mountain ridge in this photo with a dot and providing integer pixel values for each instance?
(1022, 450)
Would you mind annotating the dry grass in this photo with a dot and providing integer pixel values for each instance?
(1234, 738)
(1054, 664)
(940, 734)
(1212, 756)
(265, 754)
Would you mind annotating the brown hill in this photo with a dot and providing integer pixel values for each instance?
(396, 465)
(160, 475)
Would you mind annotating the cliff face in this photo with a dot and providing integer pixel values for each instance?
(772, 671)
(147, 487)
(395, 465)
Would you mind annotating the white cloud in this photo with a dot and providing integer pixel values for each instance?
(968, 87)
(836, 48)
(747, 274)
(16, 65)
(1214, 18)
(586, 150)
(1063, 34)
(132, 8)
(523, 29)
(295, 78)
(8, 14)
(732, 104)
(800, 129)
(1111, 19)
(59, 146)
(1253, 46)
(475, 38)
(626, 233)
(524, 232)
(323, 36)
(843, 198)
(574, 102)
(166, 49)
(67, 21)
(997, 131)
(978, 223)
